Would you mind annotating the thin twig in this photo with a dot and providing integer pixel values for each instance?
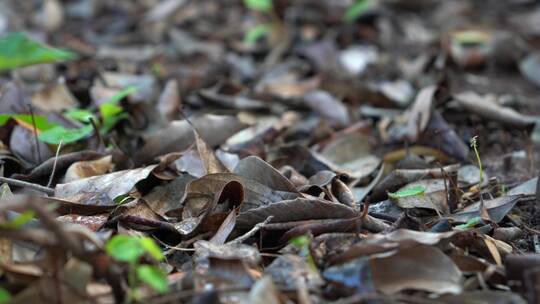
(445, 178)
(38, 150)
(181, 248)
(98, 135)
(19, 183)
(252, 232)
(54, 164)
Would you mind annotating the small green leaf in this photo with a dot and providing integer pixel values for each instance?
(300, 241)
(153, 276)
(412, 191)
(259, 5)
(22, 219)
(255, 33)
(109, 109)
(122, 94)
(42, 123)
(125, 248)
(359, 8)
(19, 220)
(80, 115)
(152, 248)
(122, 199)
(111, 121)
(17, 50)
(58, 134)
(470, 223)
(5, 296)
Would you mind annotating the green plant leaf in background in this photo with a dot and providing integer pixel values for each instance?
(129, 248)
(359, 8)
(17, 50)
(81, 115)
(41, 121)
(5, 296)
(256, 33)
(60, 134)
(109, 109)
(50, 133)
(411, 191)
(153, 276)
(125, 248)
(111, 113)
(152, 248)
(53, 133)
(259, 5)
(122, 94)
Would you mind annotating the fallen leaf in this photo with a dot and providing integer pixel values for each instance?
(103, 189)
(89, 168)
(418, 267)
(178, 136)
(294, 210)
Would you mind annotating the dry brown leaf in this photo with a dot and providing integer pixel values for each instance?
(419, 268)
(84, 169)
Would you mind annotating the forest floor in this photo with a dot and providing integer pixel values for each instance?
(258, 151)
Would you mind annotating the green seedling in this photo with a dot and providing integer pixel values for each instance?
(411, 191)
(359, 8)
(256, 33)
(53, 133)
(19, 220)
(303, 243)
(474, 145)
(470, 223)
(18, 50)
(266, 7)
(131, 249)
(5, 296)
(259, 5)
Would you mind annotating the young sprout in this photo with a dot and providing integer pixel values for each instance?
(474, 145)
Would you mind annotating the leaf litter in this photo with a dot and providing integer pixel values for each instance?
(260, 151)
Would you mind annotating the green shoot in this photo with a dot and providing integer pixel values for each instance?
(359, 8)
(411, 191)
(259, 5)
(474, 145)
(53, 133)
(19, 220)
(5, 296)
(81, 115)
(470, 223)
(303, 243)
(130, 249)
(255, 33)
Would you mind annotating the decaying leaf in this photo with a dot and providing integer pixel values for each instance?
(102, 189)
(419, 267)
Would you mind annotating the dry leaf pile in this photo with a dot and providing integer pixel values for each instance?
(391, 158)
